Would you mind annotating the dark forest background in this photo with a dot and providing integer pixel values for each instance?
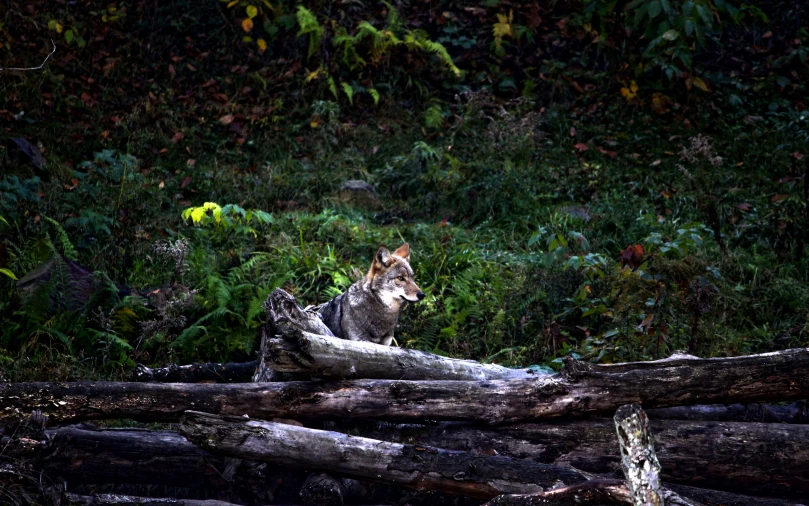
(609, 179)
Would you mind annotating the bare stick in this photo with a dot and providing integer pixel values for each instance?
(35, 68)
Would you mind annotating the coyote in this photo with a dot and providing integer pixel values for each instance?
(369, 309)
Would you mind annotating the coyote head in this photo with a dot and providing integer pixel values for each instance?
(391, 278)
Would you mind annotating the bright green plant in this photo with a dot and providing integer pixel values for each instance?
(224, 221)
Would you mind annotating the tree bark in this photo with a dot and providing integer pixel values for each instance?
(638, 459)
(298, 351)
(422, 468)
(580, 390)
(232, 372)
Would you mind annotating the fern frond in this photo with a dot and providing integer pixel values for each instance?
(418, 39)
(64, 241)
(307, 22)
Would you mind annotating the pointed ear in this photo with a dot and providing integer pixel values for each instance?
(382, 258)
(403, 251)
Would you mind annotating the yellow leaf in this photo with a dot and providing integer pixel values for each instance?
(197, 214)
(268, 4)
(231, 4)
(58, 28)
(630, 92)
(247, 24)
(262, 45)
(313, 75)
(252, 11)
(699, 83)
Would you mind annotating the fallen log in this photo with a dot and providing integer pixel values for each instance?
(796, 412)
(751, 458)
(87, 455)
(232, 372)
(422, 468)
(579, 390)
(298, 351)
(615, 492)
(128, 500)
(597, 492)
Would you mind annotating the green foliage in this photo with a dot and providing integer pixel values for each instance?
(224, 221)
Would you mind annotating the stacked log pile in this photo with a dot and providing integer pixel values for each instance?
(366, 420)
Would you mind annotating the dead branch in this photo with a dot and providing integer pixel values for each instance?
(41, 66)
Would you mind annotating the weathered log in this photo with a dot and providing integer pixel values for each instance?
(598, 492)
(87, 455)
(128, 500)
(284, 313)
(751, 458)
(423, 468)
(298, 351)
(796, 412)
(232, 372)
(709, 497)
(580, 390)
(638, 459)
(616, 492)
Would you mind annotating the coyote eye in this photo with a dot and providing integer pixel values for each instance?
(400, 278)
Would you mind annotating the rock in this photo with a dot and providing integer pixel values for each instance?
(360, 194)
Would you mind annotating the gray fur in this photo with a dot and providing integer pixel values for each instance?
(369, 310)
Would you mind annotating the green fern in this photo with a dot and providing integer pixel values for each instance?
(418, 39)
(64, 241)
(349, 91)
(307, 22)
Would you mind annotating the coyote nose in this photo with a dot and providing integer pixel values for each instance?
(420, 295)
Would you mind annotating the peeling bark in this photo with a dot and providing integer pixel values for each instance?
(421, 468)
(638, 459)
(298, 351)
(580, 390)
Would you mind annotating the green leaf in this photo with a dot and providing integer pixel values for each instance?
(689, 27)
(252, 11)
(8, 273)
(671, 35)
(374, 94)
(654, 10)
(69, 36)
